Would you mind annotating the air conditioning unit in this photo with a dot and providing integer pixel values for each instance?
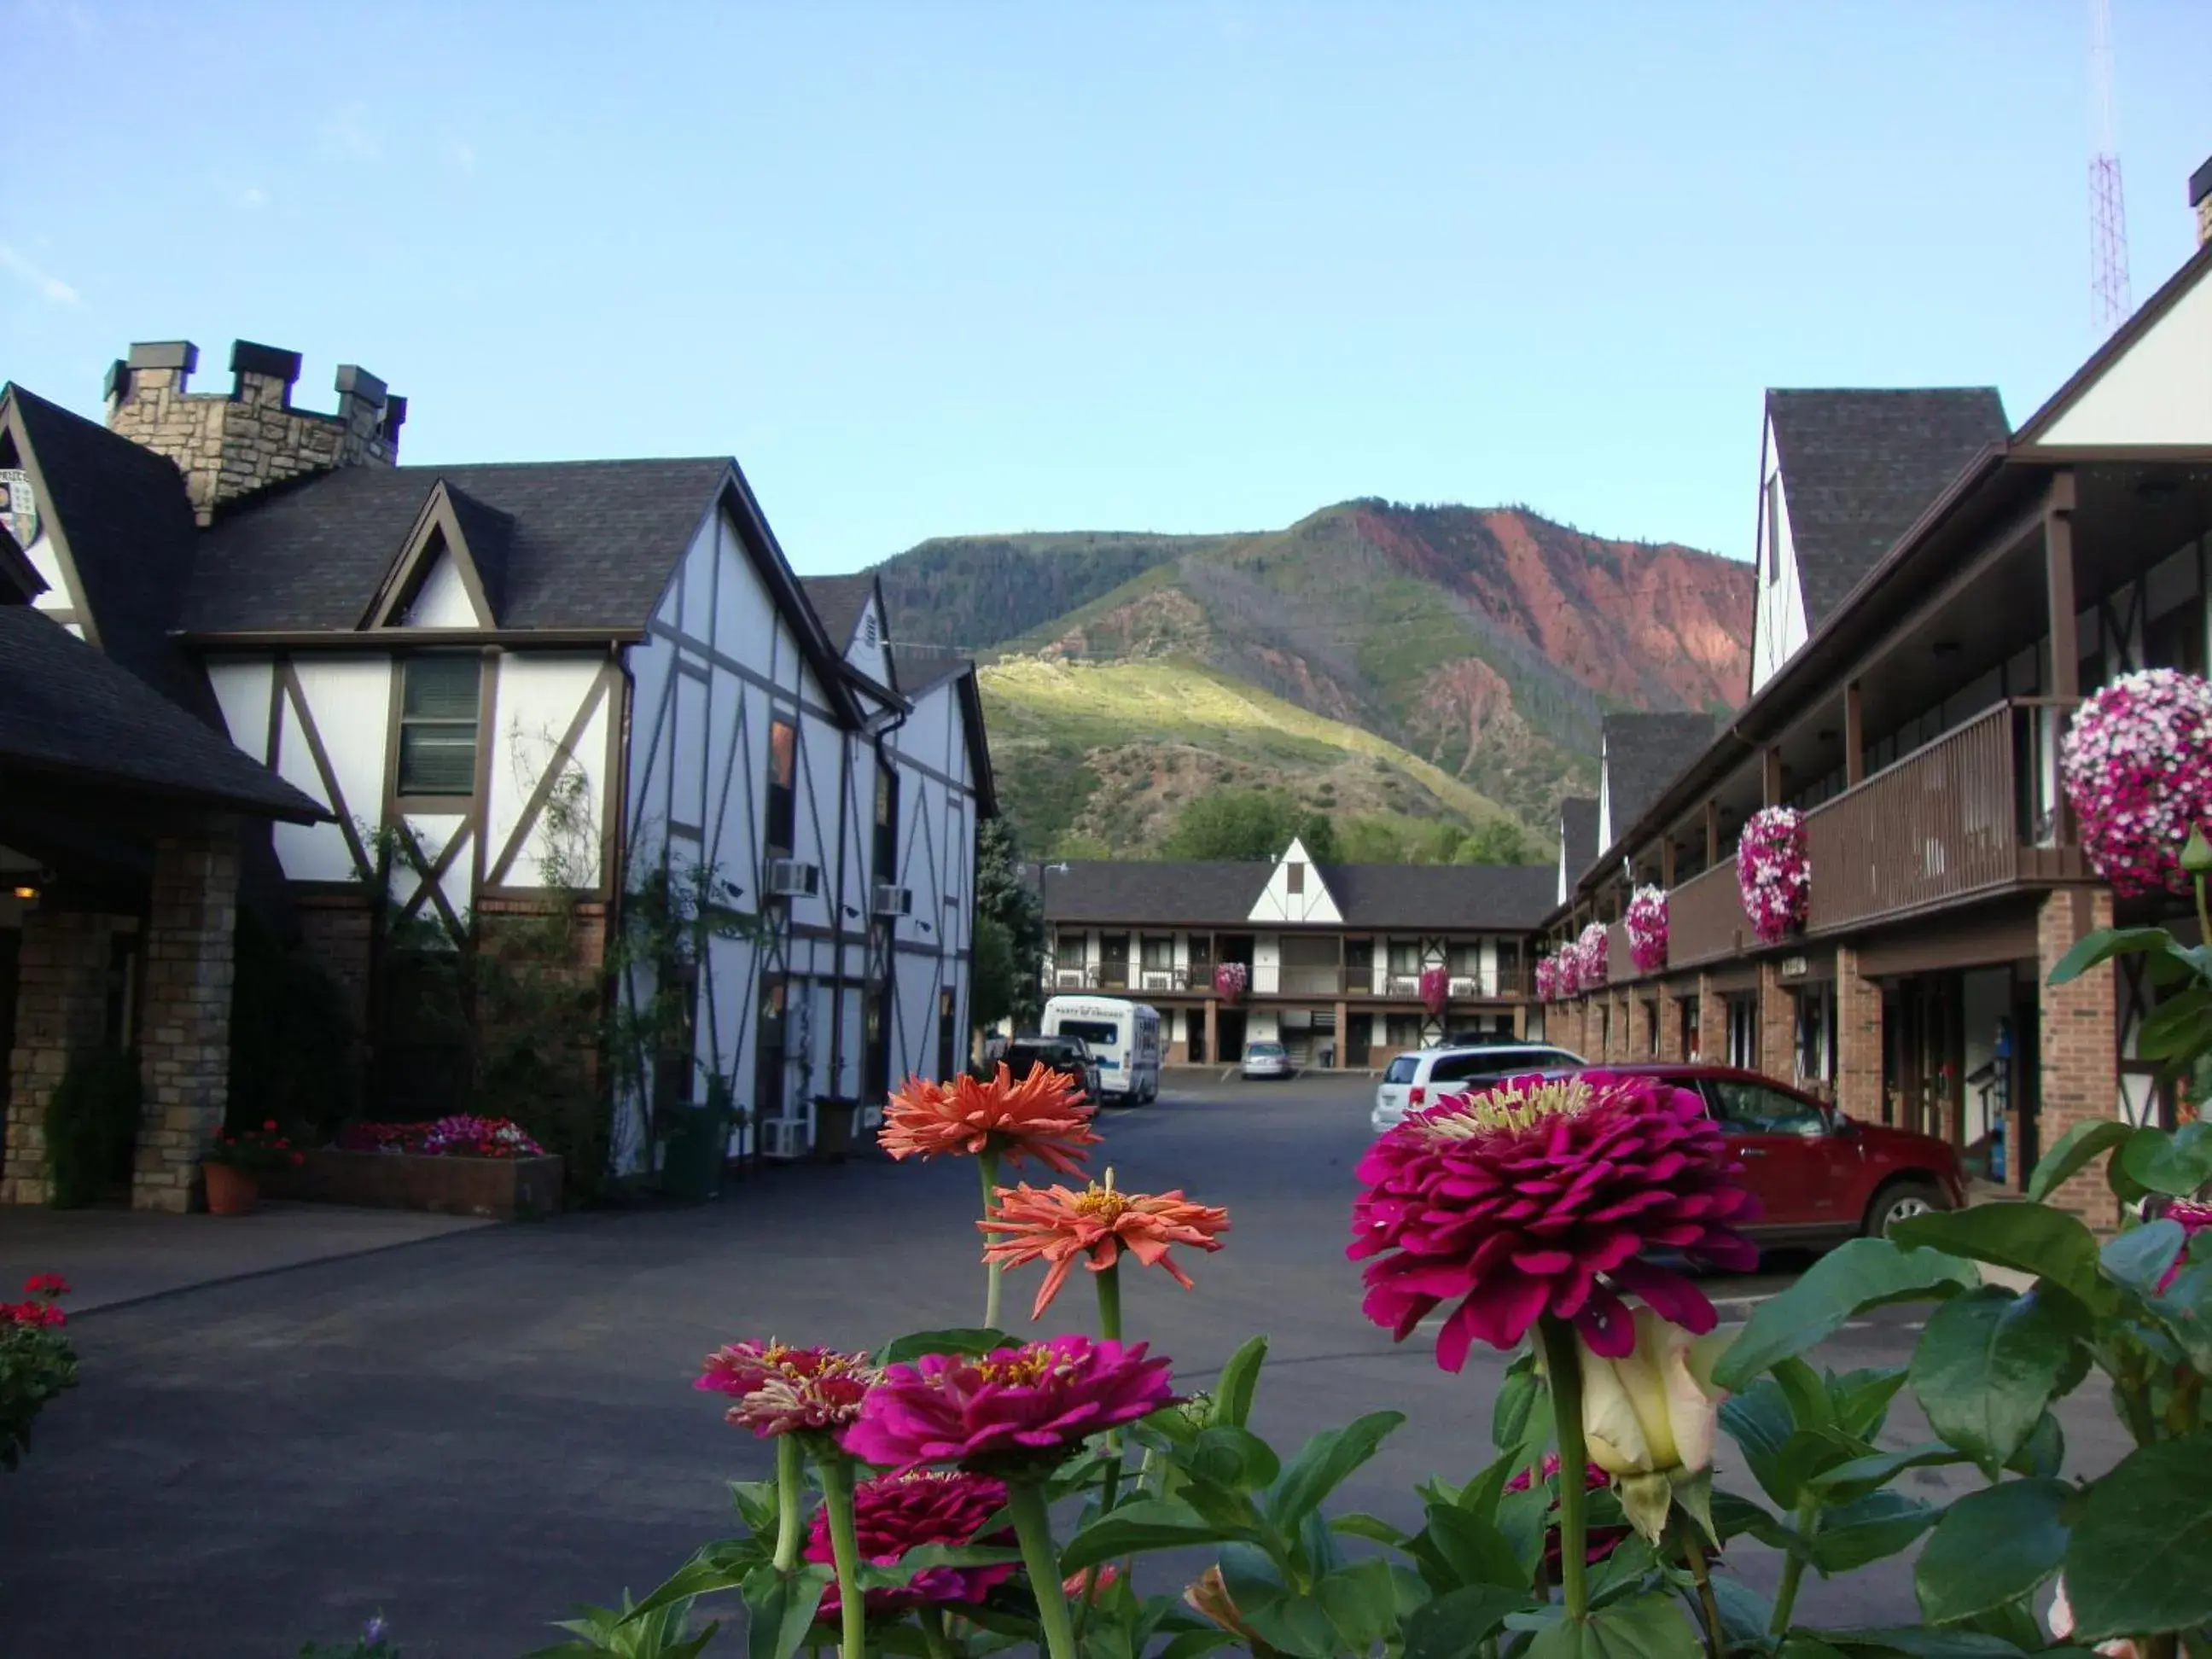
(791, 878)
(1465, 985)
(785, 1137)
(1071, 979)
(1160, 981)
(893, 900)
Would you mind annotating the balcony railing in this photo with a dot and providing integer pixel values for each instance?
(1971, 812)
(1310, 981)
(1620, 961)
(1705, 918)
(1294, 982)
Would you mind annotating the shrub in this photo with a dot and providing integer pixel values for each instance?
(293, 1055)
(91, 1121)
(36, 1362)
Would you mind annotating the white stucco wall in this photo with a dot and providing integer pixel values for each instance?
(1779, 616)
(2159, 391)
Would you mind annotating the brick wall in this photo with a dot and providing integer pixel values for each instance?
(1778, 1024)
(183, 1044)
(2078, 1049)
(1670, 1023)
(338, 930)
(60, 1006)
(1858, 1040)
(1712, 1023)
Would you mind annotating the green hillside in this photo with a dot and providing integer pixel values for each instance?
(1110, 751)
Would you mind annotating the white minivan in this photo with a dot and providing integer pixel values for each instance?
(1123, 1037)
(1418, 1080)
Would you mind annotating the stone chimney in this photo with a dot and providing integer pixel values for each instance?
(231, 444)
(2200, 198)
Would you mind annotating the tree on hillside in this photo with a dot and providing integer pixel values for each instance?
(1371, 840)
(1497, 841)
(1001, 897)
(995, 982)
(1247, 825)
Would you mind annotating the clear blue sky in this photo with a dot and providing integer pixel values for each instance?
(930, 267)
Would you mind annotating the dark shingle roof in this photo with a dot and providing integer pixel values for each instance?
(916, 672)
(589, 544)
(839, 601)
(1436, 897)
(66, 708)
(1859, 466)
(1644, 753)
(127, 526)
(489, 534)
(1578, 835)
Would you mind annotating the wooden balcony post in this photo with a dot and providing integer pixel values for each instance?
(1854, 738)
(1770, 777)
(1666, 863)
(2059, 579)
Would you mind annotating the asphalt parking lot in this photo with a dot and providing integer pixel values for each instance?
(472, 1433)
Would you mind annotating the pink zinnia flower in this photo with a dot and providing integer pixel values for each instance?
(893, 1514)
(785, 1391)
(2193, 1217)
(1536, 1198)
(1010, 1411)
(1602, 1541)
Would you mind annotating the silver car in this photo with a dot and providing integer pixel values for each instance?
(1418, 1080)
(1267, 1059)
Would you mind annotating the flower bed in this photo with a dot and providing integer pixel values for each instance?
(1647, 929)
(456, 1166)
(462, 1136)
(1773, 873)
(2137, 767)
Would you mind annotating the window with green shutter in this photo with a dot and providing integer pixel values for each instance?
(438, 726)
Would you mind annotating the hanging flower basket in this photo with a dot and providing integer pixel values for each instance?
(1436, 989)
(1593, 969)
(1773, 873)
(1647, 929)
(1567, 967)
(2137, 767)
(1230, 979)
(1547, 980)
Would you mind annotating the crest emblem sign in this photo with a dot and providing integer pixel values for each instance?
(18, 512)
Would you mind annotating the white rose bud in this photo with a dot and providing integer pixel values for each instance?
(1649, 1418)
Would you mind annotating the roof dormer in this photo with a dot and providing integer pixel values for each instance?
(450, 572)
(1295, 893)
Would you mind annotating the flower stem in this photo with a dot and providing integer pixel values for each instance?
(1110, 1300)
(932, 1633)
(1033, 1528)
(1563, 1365)
(790, 1490)
(986, 1165)
(837, 1471)
(1793, 1567)
(1716, 1637)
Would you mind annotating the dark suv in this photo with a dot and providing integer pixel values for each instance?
(1070, 1056)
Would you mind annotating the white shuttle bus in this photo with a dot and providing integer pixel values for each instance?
(1124, 1036)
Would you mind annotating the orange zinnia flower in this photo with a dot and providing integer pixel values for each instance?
(1055, 1224)
(1044, 1115)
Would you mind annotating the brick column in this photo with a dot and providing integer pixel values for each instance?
(1343, 1034)
(60, 1008)
(185, 1042)
(1858, 1040)
(2078, 1050)
(1212, 1034)
(1777, 1025)
(1639, 1026)
(1521, 1021)
(1670, 1021)
(1712, 1023)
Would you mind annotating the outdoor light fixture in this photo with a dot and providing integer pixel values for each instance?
(26, 892)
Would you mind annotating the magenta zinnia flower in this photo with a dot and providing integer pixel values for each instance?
(895, 1513)
(1601, 1541)
(1009, 1412)
(2194, 1216)
(787, 1391)
(1537, 1197)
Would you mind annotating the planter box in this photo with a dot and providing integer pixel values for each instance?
(503, 1188)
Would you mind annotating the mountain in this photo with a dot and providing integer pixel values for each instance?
(1484, 644)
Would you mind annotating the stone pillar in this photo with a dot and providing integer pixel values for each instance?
(1670, 1023)
(1858, 1040)
(2078, 1050)
(60, 1008)
(1212, 1032)
(1343, 1035)
(1777, 1025)
(1712, 1023)
(185, 1031)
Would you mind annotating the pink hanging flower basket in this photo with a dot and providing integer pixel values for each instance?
(1647, 929)
(1547, 980)
(1773, 873)
(1230, 980)
(2137, 767)
(1436, 989)
(1592, 967)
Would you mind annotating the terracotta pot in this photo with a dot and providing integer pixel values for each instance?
(230, 1191)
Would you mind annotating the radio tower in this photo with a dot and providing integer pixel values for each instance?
(2108, 210)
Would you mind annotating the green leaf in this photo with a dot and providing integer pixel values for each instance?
(2076, 1148)
(2105, 944)
(1373, 1528)
(1856, 1476)
(1285, 1620)
(1991, 1548)
(2175, 1027)
(1233, 1457)
(780, 1609)
(1146, 1523)
(1919, 1642)
(1322, 1464)
(1456, 1624)
(1864, 1273)
(1810, 1406)
(1986, 1367)
(1240, 1378)
(1643, 1627)
(2029, 1239)
(1800, 1645)
(1746, 1614)
(1734, 1514)
(1474, 1551)
(2176, 1165)
(2140, 1556)
(2043, 1453)
(1361, 1602)
(2138, 1258)
(1757, 1420)
(2186, 1310)
(1867, 1529)
(706, 1573)
(1862, 1398)
(905, 1350)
